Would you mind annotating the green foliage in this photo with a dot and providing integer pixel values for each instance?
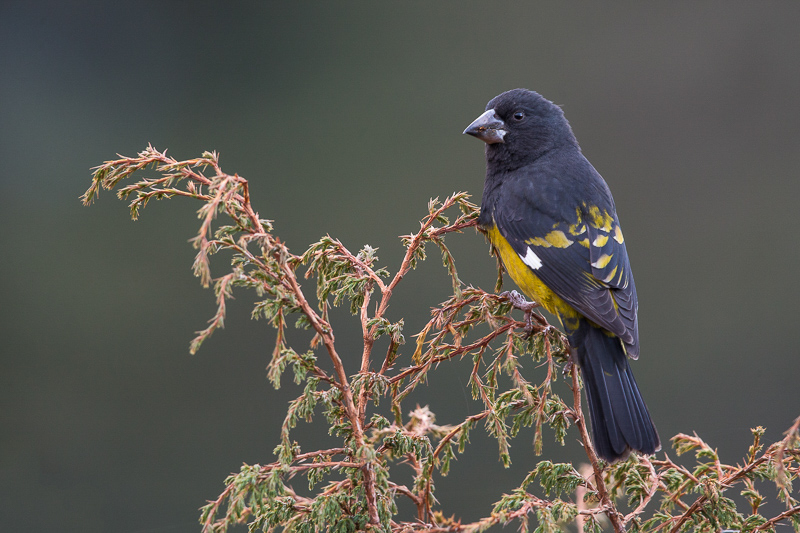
(352, 487)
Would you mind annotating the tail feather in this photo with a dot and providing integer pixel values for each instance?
(620, 420)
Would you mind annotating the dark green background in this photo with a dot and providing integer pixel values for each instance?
(346, 119)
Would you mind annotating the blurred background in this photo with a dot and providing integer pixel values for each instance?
(346, 119)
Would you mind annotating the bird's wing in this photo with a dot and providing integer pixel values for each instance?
(582, 258)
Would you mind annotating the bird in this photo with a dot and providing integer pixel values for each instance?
(550, 217)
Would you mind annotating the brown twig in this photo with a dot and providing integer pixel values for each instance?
(411, 250)
(455, 352)
(725, 482)
(649, 496)
(772, 522)
(442, 338)
(605, 500)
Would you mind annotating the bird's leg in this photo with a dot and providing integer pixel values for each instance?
(519, 302)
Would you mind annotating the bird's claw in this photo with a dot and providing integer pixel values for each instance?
(519, 302)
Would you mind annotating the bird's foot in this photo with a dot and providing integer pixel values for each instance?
(527, 307)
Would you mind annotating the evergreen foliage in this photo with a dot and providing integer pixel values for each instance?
(354, 486)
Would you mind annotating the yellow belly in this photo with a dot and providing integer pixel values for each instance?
(530, 284)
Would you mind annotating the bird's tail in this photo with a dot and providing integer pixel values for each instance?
(620, 420)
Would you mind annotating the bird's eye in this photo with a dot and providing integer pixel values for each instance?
(519, 115)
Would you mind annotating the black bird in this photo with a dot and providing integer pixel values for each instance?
(550, 216)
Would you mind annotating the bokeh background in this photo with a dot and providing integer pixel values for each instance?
(346, 118)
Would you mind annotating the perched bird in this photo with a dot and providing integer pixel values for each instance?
(550, 216)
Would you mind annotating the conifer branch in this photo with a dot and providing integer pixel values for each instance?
(353, 485)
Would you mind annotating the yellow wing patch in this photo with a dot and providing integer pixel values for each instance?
(578, 228)
(610, 276)
(618, 235)
(602, 221)
(527, 280)
(555, 238)
(600, 241)
(602, 261)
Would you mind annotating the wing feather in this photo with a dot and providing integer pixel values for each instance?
(583, 256)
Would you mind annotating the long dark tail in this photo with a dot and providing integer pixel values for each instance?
(620, 420)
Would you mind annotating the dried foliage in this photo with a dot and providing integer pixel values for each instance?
(353, 486)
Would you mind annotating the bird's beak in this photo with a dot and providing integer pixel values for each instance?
(488, 128)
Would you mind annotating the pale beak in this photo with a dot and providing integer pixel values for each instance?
(488, 128)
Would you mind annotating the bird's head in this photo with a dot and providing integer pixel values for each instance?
(519, 126)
